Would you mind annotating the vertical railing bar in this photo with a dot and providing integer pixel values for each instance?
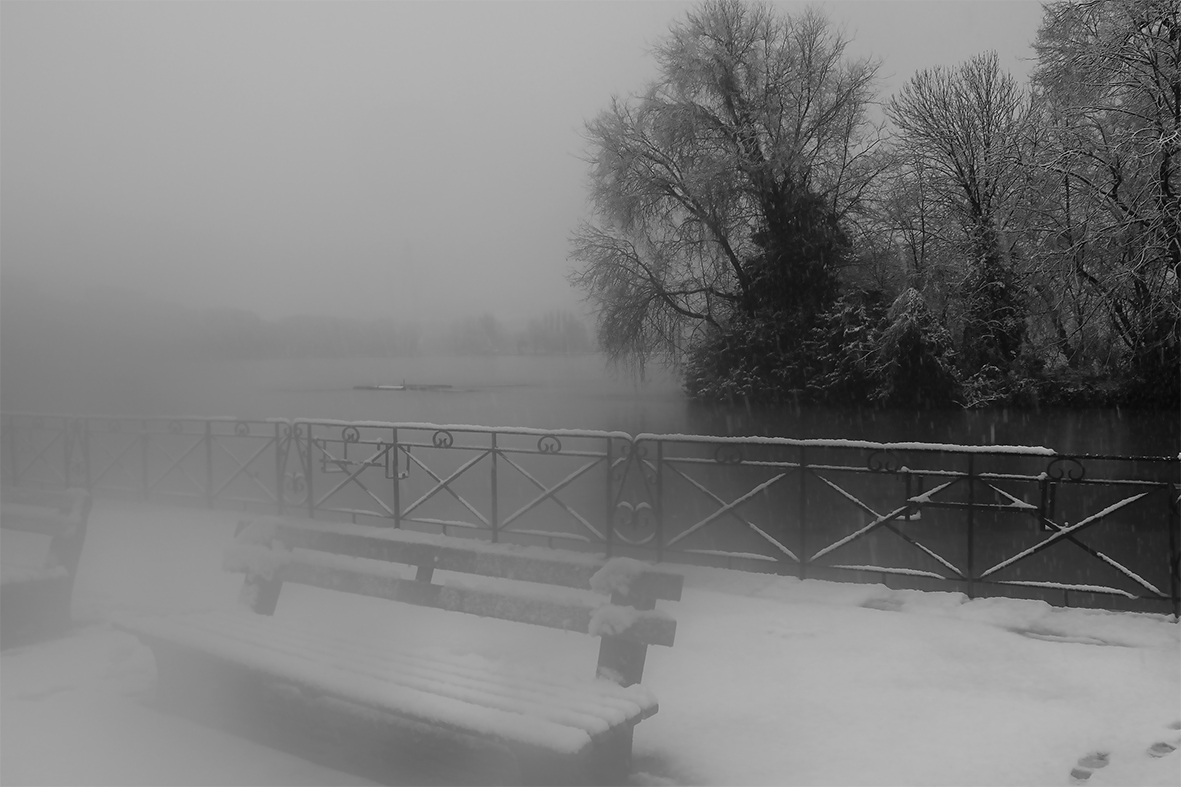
(971, 569)
(802, 524)
(398, 482)
(208, 463)
(13, 467)
(281, 445)
(659, 512)
(494, 518)
(86, 454)
(1173, 491)
(609, 520)
(307, 473)
(143, 457)
(67, 448)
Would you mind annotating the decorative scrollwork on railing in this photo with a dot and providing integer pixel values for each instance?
(1065, 468)
(350, 434)
(728, 455)
(883, 462)
(296, 484)
(549, 444)
(442, 439)
(176, 427)
(639, 521)
(625, 446)
(242, 429)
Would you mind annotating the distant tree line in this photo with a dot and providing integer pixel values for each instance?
(984, 242)
(556, 332)
(109, 322)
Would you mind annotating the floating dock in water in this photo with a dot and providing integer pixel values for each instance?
(402, 387)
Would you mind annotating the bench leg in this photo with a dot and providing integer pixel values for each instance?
(32, 611)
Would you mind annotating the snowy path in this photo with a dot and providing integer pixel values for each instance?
(771, 680)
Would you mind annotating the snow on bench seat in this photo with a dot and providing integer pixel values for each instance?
(546, 711)
(586, 724)
(35, 603)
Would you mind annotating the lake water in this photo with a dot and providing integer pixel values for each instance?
(535, 391)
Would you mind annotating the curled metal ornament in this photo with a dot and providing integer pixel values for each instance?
(443, 439)
(636, 519)
(242, 429)
(350, 434)
(633, 516)
(728, 455)
(883, 462)
(549, 444)
(295, 482)
(625, 447)
(176, 427)
(287, 432)
(1064, 468)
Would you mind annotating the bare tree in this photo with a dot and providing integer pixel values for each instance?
(1110, 75)
(961, 130)
(754, 113)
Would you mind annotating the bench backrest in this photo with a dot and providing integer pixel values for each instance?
(59, 514)
(554, 588)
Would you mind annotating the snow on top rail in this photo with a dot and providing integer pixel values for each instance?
(515, 430)
(1021, 450)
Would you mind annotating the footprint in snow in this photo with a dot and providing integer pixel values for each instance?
(1092, 762)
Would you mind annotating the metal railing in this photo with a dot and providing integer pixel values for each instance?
(992, 520)
(197, 459)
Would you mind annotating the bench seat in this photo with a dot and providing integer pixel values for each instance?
(35, 597)
(536, 710)
(297, 687)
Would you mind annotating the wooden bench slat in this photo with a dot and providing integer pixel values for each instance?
(378, 694)
(601, 699)
(506, 561)
(30, 518)
(572, 709)
(342, 573)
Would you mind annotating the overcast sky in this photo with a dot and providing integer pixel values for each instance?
(414, 160)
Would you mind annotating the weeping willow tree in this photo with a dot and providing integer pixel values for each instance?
(721, 192)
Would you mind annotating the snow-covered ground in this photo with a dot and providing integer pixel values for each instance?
(771, 680)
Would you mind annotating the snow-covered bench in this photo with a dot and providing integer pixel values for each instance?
(547, 728)
(35, 591)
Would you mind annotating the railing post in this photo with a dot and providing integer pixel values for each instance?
(307, 473)
(495, 520)
(398, 482)
(1174, 502)
(10, 447)
(86, 454)
(971, 572)
(659, 507)
(802, 524)
(609, 519)
(281, 444)
(67, 448)
(143, 457)
(208, 463)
